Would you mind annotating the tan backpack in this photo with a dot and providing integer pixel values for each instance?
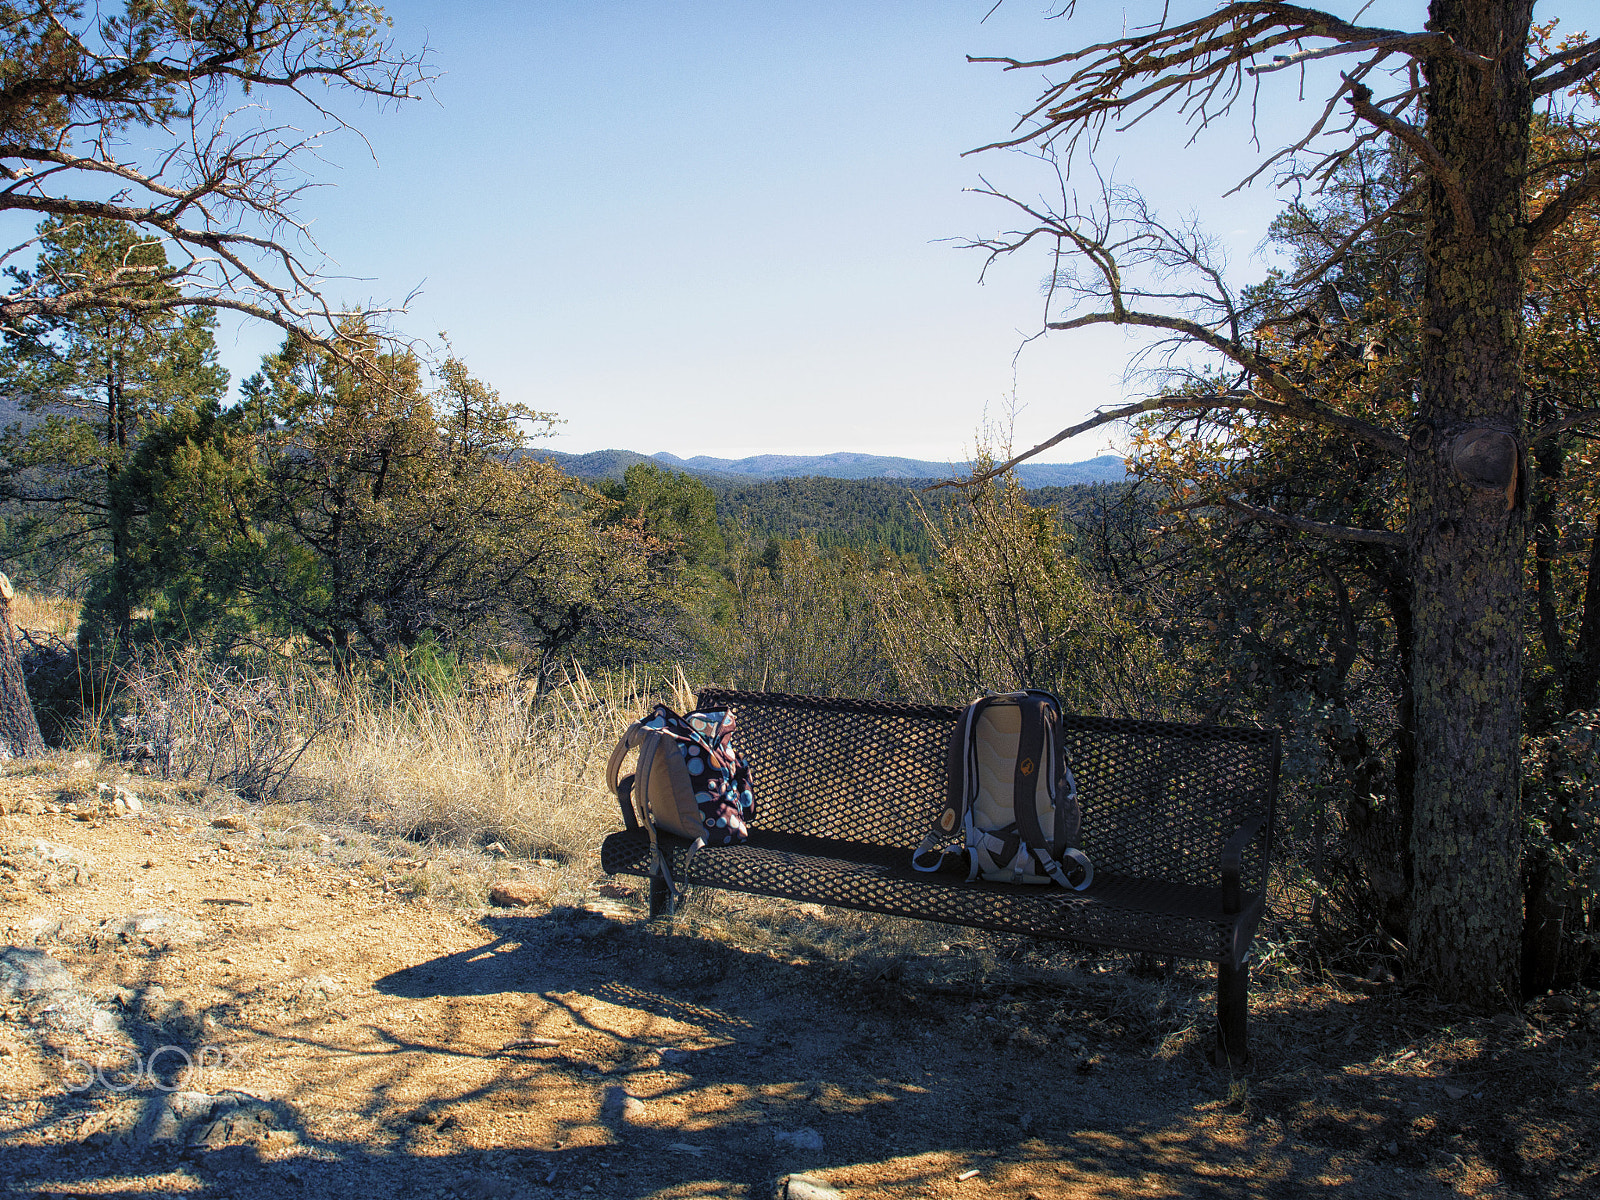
(1009, 796)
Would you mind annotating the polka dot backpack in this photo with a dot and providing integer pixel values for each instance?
(689, 781)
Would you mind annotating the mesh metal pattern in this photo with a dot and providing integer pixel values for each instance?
(846, 788)
(1117, 912)
(855, 770)
(1159, 800)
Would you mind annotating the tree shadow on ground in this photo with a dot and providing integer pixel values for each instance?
(691, 1065)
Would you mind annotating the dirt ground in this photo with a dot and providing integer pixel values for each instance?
(269, 1019)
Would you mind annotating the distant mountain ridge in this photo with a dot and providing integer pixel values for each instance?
(610, 464)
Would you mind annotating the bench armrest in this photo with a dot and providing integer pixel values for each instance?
(1233, 862)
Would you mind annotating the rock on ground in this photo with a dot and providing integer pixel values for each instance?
(619, 1108)
(805, 1187)
(61, 862)
(516, 893)
(800, 1139)
(161, 930)
(27, 972)
(52, 995)
(198, 1121)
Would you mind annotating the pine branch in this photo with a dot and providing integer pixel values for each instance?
(1550, 429)
(1563, 204)
(1587, 56)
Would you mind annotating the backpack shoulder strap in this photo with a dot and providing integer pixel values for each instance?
(656, 742)
(1064, 788)
(630, 740)
(954, 810)
(1030, 761)
(1037, 713)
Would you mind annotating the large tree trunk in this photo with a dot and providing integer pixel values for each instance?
(19, 730)
(1467, 531)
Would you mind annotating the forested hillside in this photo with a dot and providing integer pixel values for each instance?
(870, 513)
(860, 513)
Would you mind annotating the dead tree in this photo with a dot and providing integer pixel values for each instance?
(153, 115)
(1460, 96)
(19, 730)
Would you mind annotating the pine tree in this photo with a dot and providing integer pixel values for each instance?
(89, 382)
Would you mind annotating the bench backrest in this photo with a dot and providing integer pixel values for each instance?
(1158, 799)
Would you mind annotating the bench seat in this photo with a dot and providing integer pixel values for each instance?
(1177, 820)
(1116, 912)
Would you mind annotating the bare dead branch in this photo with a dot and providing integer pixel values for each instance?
(1582, 61)
(1317, 129)
(1230, 401)
(1292, 400)
(1336, 533)
(1196, 62)
(1280, 62)
(1122, 234)
(1101, 417)
(1413, 138)
(1561, 425)
(89, 84)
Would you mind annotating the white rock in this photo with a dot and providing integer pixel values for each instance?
(155, 928)
(24, 972)
(168, 1118)
(804, 1138)
(51, 929)
(118, 799)
(235, 1123)
(808, 1187)
(61, 855)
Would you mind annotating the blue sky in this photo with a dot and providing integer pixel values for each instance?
(714, 227)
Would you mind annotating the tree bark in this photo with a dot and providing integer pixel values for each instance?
(1467, 533)
(19, 729)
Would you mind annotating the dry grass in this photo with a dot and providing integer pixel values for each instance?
(491, 766)
(46, 614)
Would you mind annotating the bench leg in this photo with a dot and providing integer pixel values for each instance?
(660, 898)
(1233, 998)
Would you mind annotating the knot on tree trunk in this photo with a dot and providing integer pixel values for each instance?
(1488, 459)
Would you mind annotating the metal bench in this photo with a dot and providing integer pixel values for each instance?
(1176, 818)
